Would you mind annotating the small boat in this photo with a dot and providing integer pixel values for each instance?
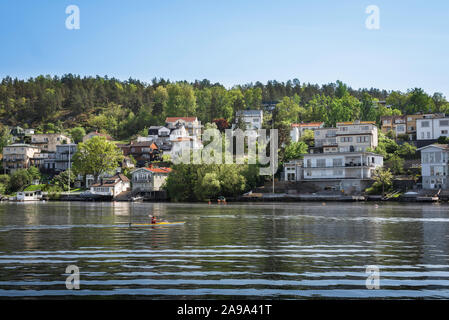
(163, 223)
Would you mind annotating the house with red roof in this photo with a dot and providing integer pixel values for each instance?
(149, 179)
(192, 125)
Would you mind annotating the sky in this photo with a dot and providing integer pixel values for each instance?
(231, 42)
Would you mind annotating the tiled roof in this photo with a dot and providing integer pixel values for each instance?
(351, 122)
(159, 170)
(174, 119)
(310, 124)
(112, 181)
(436, 145)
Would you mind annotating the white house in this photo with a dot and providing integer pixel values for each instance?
(432, 129)
(112, 186)
(191, 124)
(293, 170)
(158, 132)
(297, 129)
(252, 118)
(181, 140)
(149, 179)
(434, 166)
(341, 165)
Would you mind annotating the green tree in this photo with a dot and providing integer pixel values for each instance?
(181, 100)
(77, 134)
(396, 163)
(406, 151)
(208, 186)
(34, 173)
(63, 179)
(5, 137)
(4, 183)
(295, 150)
(19, 180)
(384, 177)
(96, 156)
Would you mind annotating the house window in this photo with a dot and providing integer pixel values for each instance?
(309, 163)
(337, 162)
(428, 135)
(321, 163)
(365, 128)
(444, 123)
(443, 131)
(409, 119)
(386, 122)
(362, 139)
(425, 124)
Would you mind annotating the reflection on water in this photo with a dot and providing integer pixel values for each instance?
(294, 250)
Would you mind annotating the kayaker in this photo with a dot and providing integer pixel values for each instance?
(153, 220)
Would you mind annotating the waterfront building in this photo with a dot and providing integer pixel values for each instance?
(253, 119)
(335, 168)
(47, 142)
(112, 186)
(63, 156)
(355, 136)
(18, 156)
(434, 166)
(150, 179)
(297, 129)
(293, 170)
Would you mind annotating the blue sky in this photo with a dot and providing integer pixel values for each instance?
(232, 42)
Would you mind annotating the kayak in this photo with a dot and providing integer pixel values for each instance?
(154, 224)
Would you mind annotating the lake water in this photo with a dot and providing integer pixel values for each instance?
(244, 251)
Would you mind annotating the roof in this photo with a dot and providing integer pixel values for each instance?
(356, 153)
(174, 119)
(112, 181)
(310, 124)
(182, 139)
(143, 144)
(156, 170)
(354, 123)
(22, 145)
(249, 112)
(436, 145)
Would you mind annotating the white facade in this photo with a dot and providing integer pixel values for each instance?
(49, 141)
(252, 118)
(429, 129)
(111, 186)
(298, 129)
(149, 179)
(357, 136)
(347, 165)
(347, 137)
(18, 156)
(434, 166)
(293, 170)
